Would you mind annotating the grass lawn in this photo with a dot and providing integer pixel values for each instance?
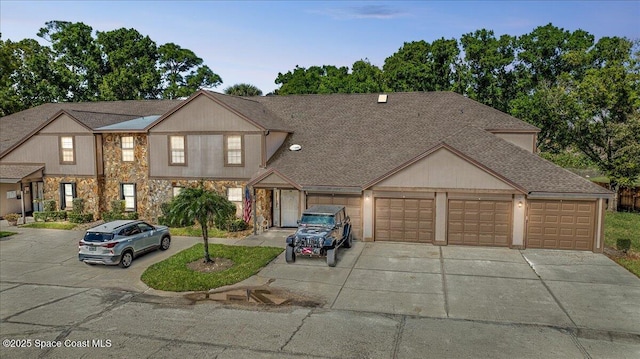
(51, 225)
(621, 225)
(6, 234)
(173, 275)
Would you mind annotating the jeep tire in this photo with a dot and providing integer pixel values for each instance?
(290, 256)
(331, 257)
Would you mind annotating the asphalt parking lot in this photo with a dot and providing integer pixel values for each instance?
(382, 300)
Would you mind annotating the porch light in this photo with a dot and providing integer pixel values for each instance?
(519, 204)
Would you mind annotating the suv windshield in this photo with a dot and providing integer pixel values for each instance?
(318, 219)
(97, 237)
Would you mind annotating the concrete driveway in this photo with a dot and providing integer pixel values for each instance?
(573, 290)
(382, 300)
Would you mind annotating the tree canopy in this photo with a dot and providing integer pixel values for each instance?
(83, 65)
(243, 90)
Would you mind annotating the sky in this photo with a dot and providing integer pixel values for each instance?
(251, 42)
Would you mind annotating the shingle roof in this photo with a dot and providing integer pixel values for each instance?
(351, 140)
(14, 173)
(253, 110)
(528, 171)
(17, 126)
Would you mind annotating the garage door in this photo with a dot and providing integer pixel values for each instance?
(404, 219)
(561, 224)
(353, 205)
(479, 222)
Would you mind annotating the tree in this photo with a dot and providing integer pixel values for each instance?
(202, 206)
(487, 61)
(183, 72)
(77, 59)
(27, 78)
(365, 78)
(243, 90)
(129, 65)
(545, 54)
(420, 66)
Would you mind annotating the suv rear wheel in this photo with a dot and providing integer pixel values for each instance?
(127, 258)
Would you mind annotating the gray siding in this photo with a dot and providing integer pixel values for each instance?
(526, 141)
(203, 114)
(205, 157)
(45, 148)
(273, 141)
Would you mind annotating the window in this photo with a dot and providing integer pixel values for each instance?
(128, 194)
(233, 150)
(67, 194)
(177, 154)
(67, 152)
(234, 194)
(176, 191)
(127, 148)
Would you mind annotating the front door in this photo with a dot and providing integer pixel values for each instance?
(37, 189)
(289, 203)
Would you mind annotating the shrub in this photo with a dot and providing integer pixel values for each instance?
(12, 217)
(623, 244)
(78, 206)
(237, 225)
(80, 218)
(47, 216)
(111, 216)
(50, 205)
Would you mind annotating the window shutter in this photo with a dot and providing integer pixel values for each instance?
(61, 196)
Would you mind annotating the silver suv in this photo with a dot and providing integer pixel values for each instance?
(119, 242)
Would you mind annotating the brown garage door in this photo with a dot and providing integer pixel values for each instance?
(353, 205)
(479, 222)
(558, 224)
(404, 219)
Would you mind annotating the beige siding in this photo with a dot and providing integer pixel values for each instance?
(203, 114)
(44, 148)
(9, 205)
(526, 141)
(273, 141)
(205, 157)
(64, 125)
(274, 180)
(444, 169)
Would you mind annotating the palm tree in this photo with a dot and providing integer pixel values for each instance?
(202, 206)
(243, 90)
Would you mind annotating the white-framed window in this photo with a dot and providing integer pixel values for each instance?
(67, 194)
(177, 154)
(128, 194)
(176, 191)
(67, 151)
(233, 150)
(126, 143)
(234, 194)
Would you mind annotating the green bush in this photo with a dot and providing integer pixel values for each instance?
(118, 206)
(50, 216)
(49, 205)
(623, 244)
(78, 206)
(80, 218)
(237, 225)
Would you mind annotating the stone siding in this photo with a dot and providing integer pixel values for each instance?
(161, 191)
(86, 188)
(117, 172)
